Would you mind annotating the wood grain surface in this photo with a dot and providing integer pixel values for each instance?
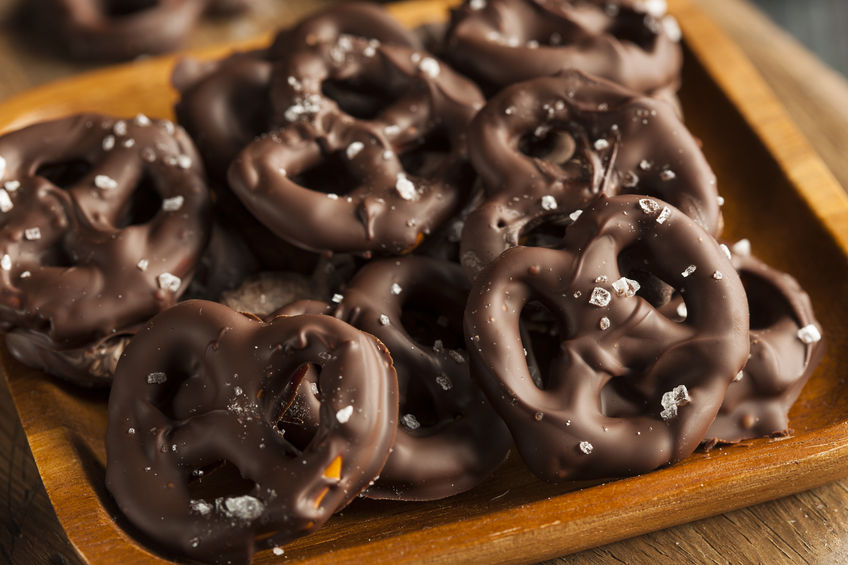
(810, 527)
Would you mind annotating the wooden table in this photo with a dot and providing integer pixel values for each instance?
(808, 527)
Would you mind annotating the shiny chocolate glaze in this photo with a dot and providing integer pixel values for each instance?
(622, 388)
(105, 223)
(202, 389)
(757, 404)
(544, 148)
(449, 437)
(500, 42)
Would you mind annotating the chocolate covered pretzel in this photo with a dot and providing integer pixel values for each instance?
(332, 180)
(196, 458)
(619, 389)
(103, 223)
(449, 438)
(785, 347)
(631, 42)
(120, 29)
(544, 148)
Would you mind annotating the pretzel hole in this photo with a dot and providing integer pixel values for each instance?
(426, 157)
(634, 265)
(119, 8)
(359, 97)
(428, 316)
(547, 231)
(143, 204)
(58, 255)
(334, 469)
(542, 334)
(419, 412)
(65, 174)
(549, 143)
(631, 26)
(331, 175)
(766, 304)
(221, 478)
(292, 404)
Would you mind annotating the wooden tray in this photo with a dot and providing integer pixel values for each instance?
(779, 195)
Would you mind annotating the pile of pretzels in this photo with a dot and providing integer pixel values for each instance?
(370, 261)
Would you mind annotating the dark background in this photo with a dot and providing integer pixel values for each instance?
(821, 25)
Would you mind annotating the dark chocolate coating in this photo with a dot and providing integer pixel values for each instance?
(780, 363)
(599, 408)
(508, 41)
(544, 148)
(403, 188)
(119, 29)
(202, 384)
(364, 20)
(106, 222)
(449, 438)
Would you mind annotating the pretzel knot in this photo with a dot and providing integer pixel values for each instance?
(449, 439)
(402, 157)
(616, 388)
(544, 148)
(103, 223)
(199, 399)
(785, 347)
(630, 42)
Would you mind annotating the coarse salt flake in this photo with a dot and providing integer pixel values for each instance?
(644, 164)
(354, 148)
(168, 281)
(246, 507)
(396, 289)
(156, 378)
(717, 275)
(2, 167)
(672, 400)
(343, 415)
(105, 182)
(411, 422)
(32, 234)
(108, 142)
(601, 144)
(664, 215)
(809, 334)
(667, 174)
(574, 215)
(26, 275)
(172, 204)
(142, 120)
(384, 320)
(430, 67)
(742, 247)
(405, 187)
(649, 206)
(444, 382)
(337, 298)
(120, 128)
(585, 447)
(600, 297)
(5, 201)
(626, 287)
(277, 550)
(738, 376)
(688, 271)
(548, 202)
(12, 185)
(184, 162)
(200, 507)
(142, 264)
(604, 323)
(6, 262)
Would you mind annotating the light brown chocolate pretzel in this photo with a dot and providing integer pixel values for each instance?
(103, 222)
(200, 393)
(404, 181)
(545, 147)
(449, 438)
(631, 42)
(623, 389)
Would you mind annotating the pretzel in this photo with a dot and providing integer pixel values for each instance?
(450, 439)
(383, 182)
(544, 148)
(201, 390)
(619, 388)
(103, 223)
(113, 29)
(786, 343)
(630, 42)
